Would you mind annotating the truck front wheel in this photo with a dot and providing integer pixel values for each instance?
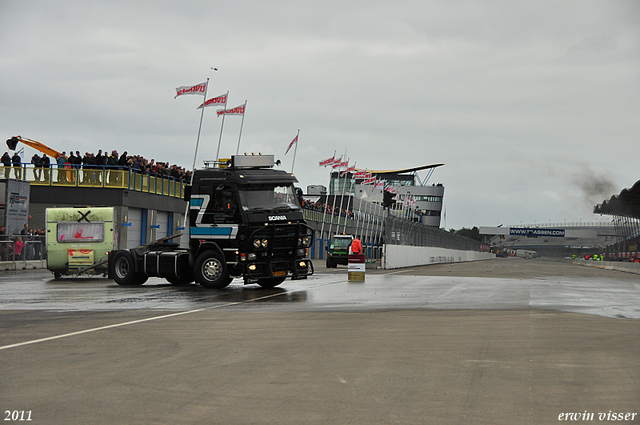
(123, 271)
(211, 271)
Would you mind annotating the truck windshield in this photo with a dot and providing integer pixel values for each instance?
(273, 198)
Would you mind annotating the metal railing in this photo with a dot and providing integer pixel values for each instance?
(33, 249)
(96, 176)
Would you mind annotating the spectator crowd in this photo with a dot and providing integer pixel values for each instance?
(29, 244)
(323, 208)
(91, 164)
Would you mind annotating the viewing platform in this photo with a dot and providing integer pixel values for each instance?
(96, 177)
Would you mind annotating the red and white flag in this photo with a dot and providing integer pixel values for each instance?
(337, 163)
(379, 184)
(238, 110)
(295, 139)
(215, 101)
(197, 89)
(361, 175)
(369, 181)
(328, 161)
(348, 170)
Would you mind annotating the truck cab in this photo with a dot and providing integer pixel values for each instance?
(244, 219)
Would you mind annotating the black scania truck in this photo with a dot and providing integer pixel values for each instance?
(244, 220)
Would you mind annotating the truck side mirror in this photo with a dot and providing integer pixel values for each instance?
(187, 193)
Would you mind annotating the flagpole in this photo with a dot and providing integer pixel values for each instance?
(333, 208)
(294, 152)
(350, 187)
(342, 195)
(222, 125)
(195, 153)
(241, 124)
(324, 214)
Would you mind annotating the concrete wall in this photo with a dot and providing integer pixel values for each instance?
(398, 256)
(623, 266)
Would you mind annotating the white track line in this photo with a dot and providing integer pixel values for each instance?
(117, 325)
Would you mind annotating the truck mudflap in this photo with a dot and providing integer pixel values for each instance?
(296, 269)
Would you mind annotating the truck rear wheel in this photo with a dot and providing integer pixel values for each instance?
(271, 282)
(124, 270)
(211, 271)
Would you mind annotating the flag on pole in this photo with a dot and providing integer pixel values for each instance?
(369, 181)
(215, 101)
(362, 175)
(238, 110)
(197, 89)
(295, 139)
(328, 161)
(336, 163)
(379, 184)
(348, 170)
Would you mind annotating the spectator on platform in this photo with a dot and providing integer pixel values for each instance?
(6, 163)
(37, 167)
(46, 166)
(17, 170)
(60, 160)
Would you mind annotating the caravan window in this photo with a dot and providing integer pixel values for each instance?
(80, 232)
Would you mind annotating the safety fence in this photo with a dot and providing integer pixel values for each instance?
(12, 250)
(376, 228)
(97, 176)
(399, 231)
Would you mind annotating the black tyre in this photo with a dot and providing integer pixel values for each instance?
(271, 282)
(211, 271)
(123, 270)
(57, 275)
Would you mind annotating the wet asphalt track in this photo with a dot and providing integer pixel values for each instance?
(490, 342)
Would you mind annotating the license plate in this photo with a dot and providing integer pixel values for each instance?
(279, 273)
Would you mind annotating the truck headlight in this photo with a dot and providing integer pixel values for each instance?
(260, 243)
(304, 241)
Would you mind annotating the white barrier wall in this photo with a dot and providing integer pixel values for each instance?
(623, 266)
(398, 256)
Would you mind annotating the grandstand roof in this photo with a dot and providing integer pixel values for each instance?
(626, 203)
(403, 170)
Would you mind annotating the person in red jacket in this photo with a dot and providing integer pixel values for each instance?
(356, 246)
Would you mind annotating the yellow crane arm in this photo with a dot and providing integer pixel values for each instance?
(11, 143)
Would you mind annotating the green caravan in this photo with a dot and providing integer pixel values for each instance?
(79, 240)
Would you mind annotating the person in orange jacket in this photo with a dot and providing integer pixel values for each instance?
(356, 246)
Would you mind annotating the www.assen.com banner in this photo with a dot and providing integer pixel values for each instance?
(523, 231)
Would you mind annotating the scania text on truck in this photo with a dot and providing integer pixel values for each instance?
(244, 220)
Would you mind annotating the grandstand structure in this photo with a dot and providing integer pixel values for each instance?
(624, 209)
(422, 202)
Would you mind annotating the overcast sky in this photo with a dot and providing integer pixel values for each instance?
(533, 107)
